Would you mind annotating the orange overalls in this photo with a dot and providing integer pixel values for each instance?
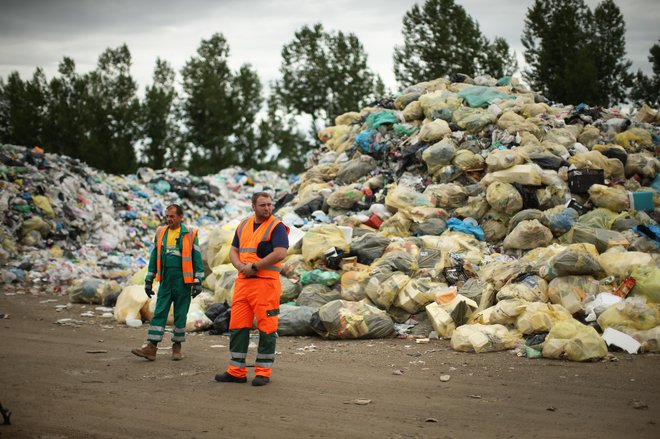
(258, 297)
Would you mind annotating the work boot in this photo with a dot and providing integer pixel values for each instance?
(260, 380)
(229, 378)
(176, 351)
(148, 352)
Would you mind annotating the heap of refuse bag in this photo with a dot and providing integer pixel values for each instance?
(67, 227)
(475, 211)
(469, 209)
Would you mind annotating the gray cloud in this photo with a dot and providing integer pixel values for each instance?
(37, 33)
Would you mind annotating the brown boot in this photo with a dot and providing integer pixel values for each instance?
(176, 351)
(148, 352)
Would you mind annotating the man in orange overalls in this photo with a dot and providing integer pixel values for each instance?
(260, 244)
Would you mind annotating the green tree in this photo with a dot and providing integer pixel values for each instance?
(247, 95)
(209, 110)
(609, 44)
(325, 74)
(64, 127)
(281, 132)
(574, 54)
(440, 38)
(555, 36)
(112, 113)
(24, 109)
(646, 89)
(162, 145)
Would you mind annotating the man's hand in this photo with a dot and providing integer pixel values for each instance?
(148, 288)
(246, 270)
(196, 289)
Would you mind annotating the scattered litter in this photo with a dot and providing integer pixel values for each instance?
(637, 404)
(359, 401)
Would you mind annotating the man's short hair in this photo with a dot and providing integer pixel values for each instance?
(258, 195)
(177, 207)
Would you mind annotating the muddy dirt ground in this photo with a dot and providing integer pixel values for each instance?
(80, 380)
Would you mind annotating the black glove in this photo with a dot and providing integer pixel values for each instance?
(196, 289)
(148, 288)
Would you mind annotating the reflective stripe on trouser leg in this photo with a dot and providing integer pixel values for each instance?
(265, 354)
(159, 320)
(239, 340)
(267, 313)
(181, 299)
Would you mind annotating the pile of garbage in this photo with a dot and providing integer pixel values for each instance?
(475, 211)
(469, 209)
(67, 227)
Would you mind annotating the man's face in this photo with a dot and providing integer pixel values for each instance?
(263, 208)
(173, 220)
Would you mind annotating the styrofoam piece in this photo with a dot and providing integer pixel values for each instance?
(295, 235)
(348, 233)
(622, 340)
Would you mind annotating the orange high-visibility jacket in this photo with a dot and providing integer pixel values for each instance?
(187, 245)
(249, 239)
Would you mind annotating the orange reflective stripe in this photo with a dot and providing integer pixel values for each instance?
(239, 231)
(186, 256)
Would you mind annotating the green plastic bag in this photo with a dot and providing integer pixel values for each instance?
(481, 96)
(328, 278)
(377, 119)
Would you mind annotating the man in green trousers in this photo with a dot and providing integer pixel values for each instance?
(175, 262)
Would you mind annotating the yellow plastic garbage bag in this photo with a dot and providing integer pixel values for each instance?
(612, 198)
(506, 311)
(541, 317)
(383, 289)
(574, 341)
(634, 136)
(528, 235)
(483, 338)
(647, 283)
(531, 289)
(440, 319)
(622, 264)
(500, 159)
(405, 198)
(344, 320)
(572, 292)
(320, 239)
(43, 203)
(439, 154)
(504, 198)
(196, 319)
(219, 244)
(634, 313)
(92, 291)
(433, 131)
(417, 294)
(131, 304)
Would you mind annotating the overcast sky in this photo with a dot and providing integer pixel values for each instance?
(39, 33)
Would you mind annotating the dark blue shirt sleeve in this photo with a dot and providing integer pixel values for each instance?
(235, 243)
(279, 237)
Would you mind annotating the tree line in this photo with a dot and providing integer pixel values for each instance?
(221, 117)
